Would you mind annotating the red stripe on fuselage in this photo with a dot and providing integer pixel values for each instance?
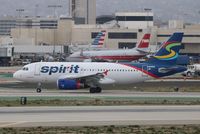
(144, 71)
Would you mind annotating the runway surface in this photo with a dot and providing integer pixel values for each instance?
(84, 94)
(13, 84)
(98, 115)
(18, 89)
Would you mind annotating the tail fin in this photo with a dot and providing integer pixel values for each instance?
(169, 51)
(99, 40)
(144, 43)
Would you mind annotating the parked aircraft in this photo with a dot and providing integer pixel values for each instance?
(113, 55)
(97, 44)
(99, 39)
(79, 75)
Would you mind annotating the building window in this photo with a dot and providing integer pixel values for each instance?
(128, 45)
(48, 24)
(140, 30)
(134, 18)
(94, 35)
(122, 35)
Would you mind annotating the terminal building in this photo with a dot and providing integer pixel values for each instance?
(135, 20)
(64, 31)
(83, 11)
(124, 29)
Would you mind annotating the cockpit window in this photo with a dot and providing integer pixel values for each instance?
(25, 68)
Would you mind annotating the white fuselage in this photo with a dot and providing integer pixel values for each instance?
(51, 72)
(124, 55)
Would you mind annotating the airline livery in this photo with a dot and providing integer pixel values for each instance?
(79, 75)
(113, 55)
(99, 40)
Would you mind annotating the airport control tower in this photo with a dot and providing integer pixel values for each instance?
(83, 11)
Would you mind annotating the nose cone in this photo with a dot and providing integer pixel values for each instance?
(16, 75)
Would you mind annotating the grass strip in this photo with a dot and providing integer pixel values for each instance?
(135, 129)
(98, 101)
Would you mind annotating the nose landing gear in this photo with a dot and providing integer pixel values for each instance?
(39, 88)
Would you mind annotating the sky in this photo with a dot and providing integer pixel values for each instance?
(187, 10)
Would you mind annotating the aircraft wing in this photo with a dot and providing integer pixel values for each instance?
(92, 78)
(81, 76)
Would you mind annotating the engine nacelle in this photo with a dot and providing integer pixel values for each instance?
(65, 84)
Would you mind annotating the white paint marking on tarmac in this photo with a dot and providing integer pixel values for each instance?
(12, 124)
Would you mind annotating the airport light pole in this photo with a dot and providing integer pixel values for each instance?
(36, 14)
(36, 10)
(20, 10)
(55, 17)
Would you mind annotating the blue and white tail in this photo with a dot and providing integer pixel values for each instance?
(99, 40)
(169, 51)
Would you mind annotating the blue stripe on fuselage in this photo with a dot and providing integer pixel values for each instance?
(153, 70)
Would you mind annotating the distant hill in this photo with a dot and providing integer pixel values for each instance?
(187, 10)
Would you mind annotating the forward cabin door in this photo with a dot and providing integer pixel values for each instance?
(37, 69)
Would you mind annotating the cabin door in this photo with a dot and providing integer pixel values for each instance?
(37, 69)
(145, 71)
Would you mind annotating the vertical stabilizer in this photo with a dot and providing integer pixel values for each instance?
(99, 40)
(169, 51)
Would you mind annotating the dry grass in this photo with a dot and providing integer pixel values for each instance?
(173, 129)
(102, 102)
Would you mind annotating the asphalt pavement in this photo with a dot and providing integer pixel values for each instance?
(98, 116)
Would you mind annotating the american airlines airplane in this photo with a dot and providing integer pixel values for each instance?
(113, 55)
(99, 40)
(98, 43)
(79, 75)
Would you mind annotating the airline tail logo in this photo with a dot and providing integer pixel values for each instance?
(171, 53)
(144, 43)
(99, 40)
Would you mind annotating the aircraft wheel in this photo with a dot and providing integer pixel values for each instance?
(189, 74)
(198, 73)
(39, 90)
(92, 90)
(95, 90)
(98, 90)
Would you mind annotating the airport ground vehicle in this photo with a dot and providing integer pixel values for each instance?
(192, 70)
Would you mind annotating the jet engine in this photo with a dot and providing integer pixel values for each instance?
(65, 84)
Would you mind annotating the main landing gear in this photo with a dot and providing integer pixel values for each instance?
(95, 90)
(39, 88)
